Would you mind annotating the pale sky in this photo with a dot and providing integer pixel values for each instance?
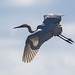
(55, 57)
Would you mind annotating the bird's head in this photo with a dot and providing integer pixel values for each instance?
(22, 26)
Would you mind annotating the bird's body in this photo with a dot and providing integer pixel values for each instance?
(49, 28)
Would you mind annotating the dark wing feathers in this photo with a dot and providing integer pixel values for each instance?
(37, 39)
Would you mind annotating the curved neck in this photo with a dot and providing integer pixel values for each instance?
(29, 28)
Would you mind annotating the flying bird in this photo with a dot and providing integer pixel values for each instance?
(49, 28)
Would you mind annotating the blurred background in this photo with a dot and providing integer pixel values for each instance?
(55, 57)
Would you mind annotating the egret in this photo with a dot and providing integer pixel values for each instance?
(49, 28)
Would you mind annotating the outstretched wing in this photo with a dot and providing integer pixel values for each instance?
(29, 53)
(33, 43)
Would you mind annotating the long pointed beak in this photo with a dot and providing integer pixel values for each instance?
(17, 27)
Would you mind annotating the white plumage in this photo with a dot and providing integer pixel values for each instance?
(49, 28)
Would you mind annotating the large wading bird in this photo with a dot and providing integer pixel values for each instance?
(49, 28)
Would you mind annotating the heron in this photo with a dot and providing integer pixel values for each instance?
(49, 28)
